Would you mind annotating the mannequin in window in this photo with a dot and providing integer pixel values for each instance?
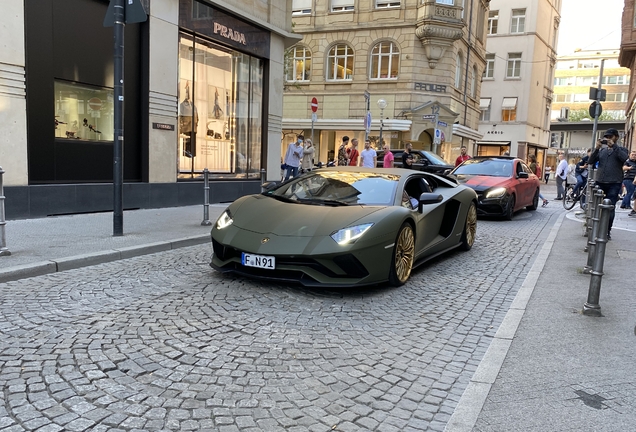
(188, 123)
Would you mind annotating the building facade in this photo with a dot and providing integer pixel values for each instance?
(627, 59)
(203, 89)
(517, 87)
(572, 123)
(411, 67)
(576, 73)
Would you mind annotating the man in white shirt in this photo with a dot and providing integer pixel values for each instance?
(368, 156)
(293, 156)
(561, 174)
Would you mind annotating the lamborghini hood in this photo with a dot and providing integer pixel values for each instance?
(265, 215)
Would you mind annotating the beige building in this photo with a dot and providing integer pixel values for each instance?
(576, 73)
(516, 91)
(422, 58)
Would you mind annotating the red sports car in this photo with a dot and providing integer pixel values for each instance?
(503, 184)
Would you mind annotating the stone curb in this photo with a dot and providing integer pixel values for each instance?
(94, 258)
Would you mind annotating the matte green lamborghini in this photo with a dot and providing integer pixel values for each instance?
(345, 226)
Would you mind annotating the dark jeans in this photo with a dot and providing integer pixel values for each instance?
(291, 172)
(629, 187)
(580, 181)
(611, 193)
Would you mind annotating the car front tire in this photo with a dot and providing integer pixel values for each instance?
(470, 228)
(403, 254)
(535, 202)
(510, 209)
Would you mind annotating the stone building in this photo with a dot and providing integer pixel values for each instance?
(406, 64)
(627, 59)
(516, 94)
(203, 89)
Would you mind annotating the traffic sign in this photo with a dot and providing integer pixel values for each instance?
(367, 122)
(438, 136)
(95, 104)
(314, 117)
(314, 104)
(593, 108)
(441, 123)
(428, 117)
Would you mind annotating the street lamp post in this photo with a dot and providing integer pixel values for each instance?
(381, 104)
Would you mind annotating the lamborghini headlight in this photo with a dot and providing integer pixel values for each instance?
(496, 193)
(350, 234)
(225, 220)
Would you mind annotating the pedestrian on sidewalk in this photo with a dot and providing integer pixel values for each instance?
(293, 157)
(609, 175)
(343, 155)
(561, 176)
(629, 173)
(368, 156)
(354, 153)
(546, 176)
(308, 156)
(581, 173)
(464, 156)
(534, 167)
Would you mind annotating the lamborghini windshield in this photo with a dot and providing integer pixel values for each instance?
(339, 188)
(485, 167)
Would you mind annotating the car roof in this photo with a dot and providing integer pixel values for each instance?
(496, 157)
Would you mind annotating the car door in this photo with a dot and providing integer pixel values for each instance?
(428, 222)
(524, 185)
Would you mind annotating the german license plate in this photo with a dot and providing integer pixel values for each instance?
(259, 261)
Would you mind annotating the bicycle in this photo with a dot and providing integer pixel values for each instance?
(570, 199)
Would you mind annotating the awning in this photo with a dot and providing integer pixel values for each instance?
(509, 103)
(497, 143)
(484, 103)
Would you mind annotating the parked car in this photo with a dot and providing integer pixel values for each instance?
(345, 226)
(423, 160)
(503, 184)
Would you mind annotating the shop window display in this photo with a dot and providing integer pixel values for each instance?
(83, 112)
(220, 104)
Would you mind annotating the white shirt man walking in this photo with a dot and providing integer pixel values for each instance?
(368, 156)
(561, 175)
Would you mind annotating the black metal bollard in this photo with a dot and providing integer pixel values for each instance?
(262, 178)
(592, 306)
(593, 233)
(4, 251)
(206, 197)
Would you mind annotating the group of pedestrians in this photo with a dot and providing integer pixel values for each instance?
(614, 170)
(348, 155)
(298, 156)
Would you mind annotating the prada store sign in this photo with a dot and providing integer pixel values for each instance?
(208, 21)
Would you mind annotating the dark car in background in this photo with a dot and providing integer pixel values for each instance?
(504, 184)
(423, 160)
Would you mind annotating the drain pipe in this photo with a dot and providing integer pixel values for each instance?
(3, 238)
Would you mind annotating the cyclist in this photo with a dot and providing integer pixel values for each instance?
(581, 173)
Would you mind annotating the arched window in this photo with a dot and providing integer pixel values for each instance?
(340, 63)
(385, 61)
(298, 64)
(473, 82)
(459, 66)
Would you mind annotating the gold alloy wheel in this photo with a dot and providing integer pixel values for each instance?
(404, 252)
(471, 225)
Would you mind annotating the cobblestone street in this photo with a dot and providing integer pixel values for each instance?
(163, 342)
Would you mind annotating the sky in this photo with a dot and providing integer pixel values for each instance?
(589, 24)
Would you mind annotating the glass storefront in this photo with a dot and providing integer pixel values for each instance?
(83, 112)
(220, 110)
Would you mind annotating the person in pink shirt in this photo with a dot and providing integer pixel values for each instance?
(388, 157)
